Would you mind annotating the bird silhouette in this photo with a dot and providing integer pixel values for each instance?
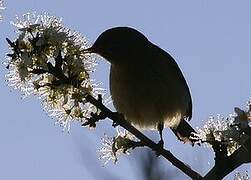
(146, 84)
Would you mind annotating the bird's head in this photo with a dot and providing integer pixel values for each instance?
(119, 44)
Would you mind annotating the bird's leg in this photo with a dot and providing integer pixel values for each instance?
(160, 129)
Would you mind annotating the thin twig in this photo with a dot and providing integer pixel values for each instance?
(148, 142)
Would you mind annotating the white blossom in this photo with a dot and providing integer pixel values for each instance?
(241, 176)
(113, 147)
(42, 44)
(227, 131)
(108, 152)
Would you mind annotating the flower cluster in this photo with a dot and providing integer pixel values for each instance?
(113, 147)
(47, 60)
(241, 176)
(230, 132)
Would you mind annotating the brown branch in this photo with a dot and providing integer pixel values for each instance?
(119, 120)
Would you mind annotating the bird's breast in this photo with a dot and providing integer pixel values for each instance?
(147, 94)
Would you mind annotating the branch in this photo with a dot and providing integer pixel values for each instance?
(228, 164)
(223, 164)
(119, 120)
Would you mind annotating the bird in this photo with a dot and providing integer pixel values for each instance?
(146, 84)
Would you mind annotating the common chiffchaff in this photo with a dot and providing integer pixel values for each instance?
(146, 84)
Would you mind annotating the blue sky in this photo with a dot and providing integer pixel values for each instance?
(211, 42)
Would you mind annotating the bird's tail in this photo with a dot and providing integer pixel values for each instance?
(184, 132)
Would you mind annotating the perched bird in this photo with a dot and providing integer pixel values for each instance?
(146, 84)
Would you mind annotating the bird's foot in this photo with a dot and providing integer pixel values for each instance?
(118, 116)
(161, 143)
(160, 128)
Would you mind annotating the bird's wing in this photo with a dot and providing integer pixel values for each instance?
(167, 63)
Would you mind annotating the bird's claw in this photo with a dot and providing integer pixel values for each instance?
(161, 143)
(114, 124)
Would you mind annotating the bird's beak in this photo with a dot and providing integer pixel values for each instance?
(88, 50)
